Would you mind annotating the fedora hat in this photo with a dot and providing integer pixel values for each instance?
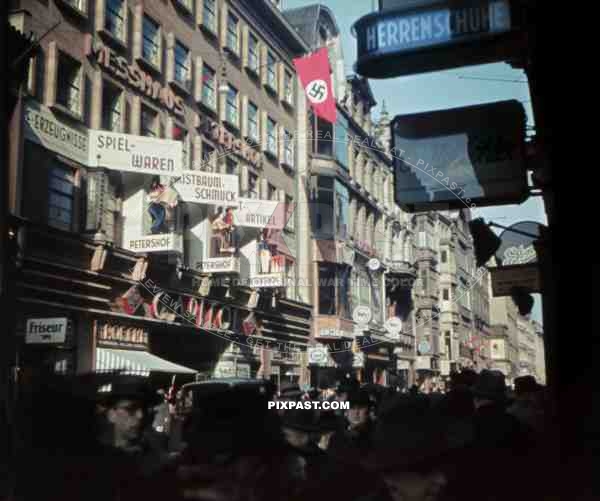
(490, 384)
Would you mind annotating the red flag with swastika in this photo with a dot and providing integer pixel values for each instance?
(315, 74)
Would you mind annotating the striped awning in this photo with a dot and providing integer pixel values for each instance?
(133, 362)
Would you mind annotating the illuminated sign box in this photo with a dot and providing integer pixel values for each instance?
(460, 158)
(419, 36)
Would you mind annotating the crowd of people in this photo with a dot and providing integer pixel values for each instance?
(113, 437)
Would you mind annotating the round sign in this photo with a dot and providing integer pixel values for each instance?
(424, 346)
(374, 264)
(317, 355)
(362, 315)
(393, 325)
(518, 248)
(316, 91)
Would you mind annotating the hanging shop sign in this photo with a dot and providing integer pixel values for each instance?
(317, 355)
(230, 143)
(358, 360)
(259, 214)
(42, 127)
(505, 278)
(111, 334)
(132, 75)
(131, 153)
(46, 330)
(219, 265)
(459, 158)
(418, 36)
(423, 362)
(518, 248)
(424, 346)
(207, 188)
(155, 243)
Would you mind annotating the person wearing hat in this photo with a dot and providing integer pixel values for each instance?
(527, 406)
(355, 441)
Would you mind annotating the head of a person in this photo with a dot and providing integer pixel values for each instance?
(489, 389)
(360, 405)
(155, 182)
(526, 388)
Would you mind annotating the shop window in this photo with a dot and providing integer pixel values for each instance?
(151, 41)
(60, 197)
(112, 107)
(114, 18)
(69, 84)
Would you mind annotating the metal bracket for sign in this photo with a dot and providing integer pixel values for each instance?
(524, 233)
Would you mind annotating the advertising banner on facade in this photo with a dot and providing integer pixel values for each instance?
(127, 152)
(253, 213)
(43, 127)
(209, 189)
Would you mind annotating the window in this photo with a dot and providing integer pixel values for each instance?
(149, 122)
(182, 64)
(322, 136)
(324, 215)
(209, 19)
(232, 34)
(208, 87)
(231, 111)
(327, 302)
(253, 186)
(78, 4)
(288, 143)
(342, 197)
(444, 256)
(209, 158)
(252, 52)
(231, 167)
(188, 4)
(60, 197)
(340, 145)
(446, 295)
(289, 87)
(114, 18)
(290, 273)
(252, 121)
(112, 107)
(151, 41)
(272, 137)
(180, 134)
(69, 84)
(271, 192)
(271, 71)
(289, 211)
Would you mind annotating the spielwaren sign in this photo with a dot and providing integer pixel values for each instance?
(132, 75)
(207, 188)
(127, 152)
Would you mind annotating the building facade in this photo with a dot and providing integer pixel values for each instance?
(131, 267)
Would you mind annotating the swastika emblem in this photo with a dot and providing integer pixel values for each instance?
(316, 91)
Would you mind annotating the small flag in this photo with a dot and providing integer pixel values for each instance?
(315, 74)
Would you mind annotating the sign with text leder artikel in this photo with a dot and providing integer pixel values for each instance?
(259, 214)
(208, 188)
(43, 127)
(127, 152)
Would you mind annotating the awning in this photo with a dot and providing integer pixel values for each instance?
(135, 362)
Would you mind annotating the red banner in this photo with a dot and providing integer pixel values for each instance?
(315, 74)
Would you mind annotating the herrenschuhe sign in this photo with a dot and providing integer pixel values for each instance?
(428, 36)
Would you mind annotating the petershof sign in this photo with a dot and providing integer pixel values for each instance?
(155, 243)
(219, 265)
(42, 127)
(259, 214)
(127, 152)
(267, 280)
(207, 188)
(46, 330)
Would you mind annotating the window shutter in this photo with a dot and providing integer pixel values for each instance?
(198, 83)
(263, 130)
(245, 40)
(263, 64)
(243, 180)
(223, 24)
(52, 74)
(244, 117)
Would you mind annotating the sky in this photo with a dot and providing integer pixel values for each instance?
(441, 90)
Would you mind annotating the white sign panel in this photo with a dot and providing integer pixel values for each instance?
(318, 356)
(358, 360)
(333, 333)
(219, 265)
(423, 362)
(42, 127)
(267, 280)
(207, 188)
(445, 367)
(228, 369)
(260, 214)
(155, 243)
(46, 330)
(127, 152)
(362, 315)
(402, 365)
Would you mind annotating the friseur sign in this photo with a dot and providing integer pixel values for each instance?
(422, 36)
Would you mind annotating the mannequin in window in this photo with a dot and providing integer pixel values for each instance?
(223, 225)
(264, 254)
(156, 209)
